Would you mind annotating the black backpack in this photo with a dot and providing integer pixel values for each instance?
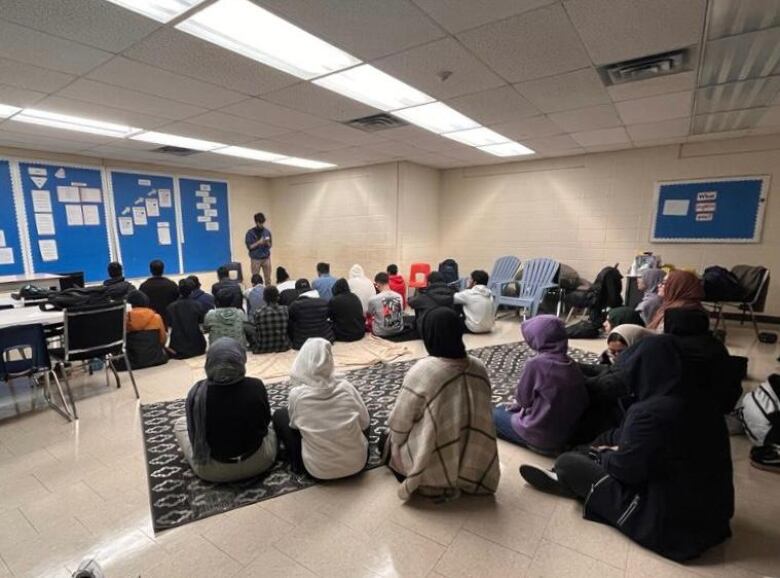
(76, 297)
(720, 284)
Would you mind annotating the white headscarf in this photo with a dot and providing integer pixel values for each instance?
(313, 366)
(356, 271)
(631, 333)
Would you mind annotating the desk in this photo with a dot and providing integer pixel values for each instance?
(9, 283)
(28, 316)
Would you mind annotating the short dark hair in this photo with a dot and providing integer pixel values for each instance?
(223, 273)
(480, 277)
(302, 285)
(281, 275)
(224, 297)
(114, 269)
(271, 294)
(392, 269)
(194, 279)
(435, 277)
(137, 299)
(381, 278)
(156, 267)
(186, 287)
(257, 279)
(259, 218)
(323, 268)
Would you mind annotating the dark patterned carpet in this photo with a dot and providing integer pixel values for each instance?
(177, 496)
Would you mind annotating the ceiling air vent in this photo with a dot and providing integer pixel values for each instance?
(176, 151)
(645, 67)
(376, 122)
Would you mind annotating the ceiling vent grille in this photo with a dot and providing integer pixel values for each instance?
(376, 122)
(175, 151)
(645, 67)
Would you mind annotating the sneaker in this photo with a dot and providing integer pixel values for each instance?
(766, 458)
(542, 480)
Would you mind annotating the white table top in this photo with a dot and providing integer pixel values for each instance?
(29, 315)
(26, 278)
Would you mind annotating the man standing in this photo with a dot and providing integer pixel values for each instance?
(258, 241)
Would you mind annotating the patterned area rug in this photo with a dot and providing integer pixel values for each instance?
(178, 497)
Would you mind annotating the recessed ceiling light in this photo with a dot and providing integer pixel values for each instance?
(303, 163)
(477, 137)
(244, 27)
(246, 153)
(178, 141)
(7, 110)
(67, 122)
(373, 87)
(507, 149)
(436, 117)
(160, 10)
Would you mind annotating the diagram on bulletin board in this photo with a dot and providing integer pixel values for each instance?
(205, 224)
(11, 262)
(721, 210)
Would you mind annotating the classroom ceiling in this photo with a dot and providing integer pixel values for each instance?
(527, 69)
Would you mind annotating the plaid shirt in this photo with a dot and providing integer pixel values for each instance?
(271, 327)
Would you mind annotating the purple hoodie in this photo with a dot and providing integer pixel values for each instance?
(551, 392)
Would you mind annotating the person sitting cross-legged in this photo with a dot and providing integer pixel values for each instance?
(226, 320)
(308, 316)
(185, 316)
(271, 322)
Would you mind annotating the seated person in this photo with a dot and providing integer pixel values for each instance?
(442, 439)
(308, 316)
(346, 313)
(231, 285)
(283, 281)
(205, 300)
(116, 286)
(361, 286)
(254, 296)
(324, 281)
(146, 335)
(226, 320)
(325, 425)
(649, 282)
(160, 290)
(287, 296)
(622, 316)
(397, 282)
(142, 318)
(551, 396)
(619, 339)
(477, 301)
(271, 324)
(227, 434)
(664, 476)
(680, 290)
(436, 294)
(185, 316)
(385, 309)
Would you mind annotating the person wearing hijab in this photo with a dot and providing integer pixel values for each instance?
(324, 426)
(346, 313)
(142, 317)
(621, 338)
(227, 434)
(664, 476)
(361, 286)
(649, 281)
(442, 438)
(622, 316)
(680, 289)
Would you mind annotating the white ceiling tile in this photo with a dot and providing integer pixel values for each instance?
(566, 91)
(458, 15)
(550, 144)
(436, 161)
(653, 86)
(590, 118)
(263, 111)
(757, 92)
(616, 30)
(144, 78)
(604, 136)
(422, 139)
(422, 65)
(185, 54)
(32, 77)
(742, 56)
(367, 29)
(397, 149)
(184, 128)
(99, 112)
(283, 148)
(312, 99)
(771, 117)
(345, 134)
(118, 151)
(20, 97)
(673, 128)
(494, 105)
(94, 22)
(127, 99)
(536, 126)
(10, 137)
(34, 131)
(725, 134)
(258, 170)
(352, 156)
(220, 120)
(33, 47)
(608, 147)
(310, 141)
(530, 45)
(655, 108)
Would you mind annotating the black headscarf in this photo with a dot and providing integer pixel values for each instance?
(442, 333)
(652, 367)
(138, 299)
(340, 286)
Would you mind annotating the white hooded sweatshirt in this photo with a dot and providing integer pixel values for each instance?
(478, 308)
(361, 286)
(329, 413)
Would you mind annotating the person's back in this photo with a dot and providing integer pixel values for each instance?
(226, 283)
(324, 281)
(287, 296)
(361, 286)
(477, 302)
(271, 322)
(437, 294)
(160, 290)
(254, 296)
(385, 309)
(396, 282)
(205, 300)
(309, 318)
(185, 316)
(237, 418)
(142, 318)
(117, 287)
(346, 313)
(225, 320)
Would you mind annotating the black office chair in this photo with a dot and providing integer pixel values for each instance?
(70, 280)
(95, 332)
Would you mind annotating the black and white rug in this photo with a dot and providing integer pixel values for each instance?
(177, 496)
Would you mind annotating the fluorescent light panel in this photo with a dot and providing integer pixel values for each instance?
(476, 137)
(67, 122)
(373, 87)
(436, 117)
(161, 10)
(178, 141)
(7, 110)
(247, 153)
(304, 163)
(507, 149)
(245, 28)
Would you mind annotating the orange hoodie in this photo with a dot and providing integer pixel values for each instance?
(145, 319)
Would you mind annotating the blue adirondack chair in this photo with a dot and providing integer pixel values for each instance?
(504, 273)
(538, 275)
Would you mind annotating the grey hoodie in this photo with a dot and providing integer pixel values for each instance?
(226, 322)
(478, 308)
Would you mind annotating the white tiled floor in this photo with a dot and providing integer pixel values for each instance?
(71, 490)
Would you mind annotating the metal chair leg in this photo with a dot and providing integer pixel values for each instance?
(110, 363)
(753, 319)
(69, 390)
(132, 377)
(64, 413)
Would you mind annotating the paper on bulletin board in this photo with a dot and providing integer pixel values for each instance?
(165, 197)
(126, 225)
(2, 238)
(676, 207)
(214, 226)
(6, 256)
(91, 195)
(144, 183)
(44, 223)
(205, 187)
(210, 212)
(74, 215)
(152, 208)
(48, 249)
(41, 201)
(68, 194)
(91, 215)
(203, 219)
(38, 171)
(139, 216)
(164, 233)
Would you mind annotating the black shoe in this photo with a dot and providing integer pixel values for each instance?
(543, 480)
(766, 458)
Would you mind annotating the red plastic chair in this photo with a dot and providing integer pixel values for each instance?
(418, 276)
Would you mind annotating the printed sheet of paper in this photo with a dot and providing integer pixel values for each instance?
(48, 248)
(204, 219)
(676, 207)
(38, 171)
(68, 194)
(41, 201)
(91, 215)
(44, 223)
(144, 182)
(165, 197)
(210, 200)
(74, 215)
(205, 187)
(40, 182)
(210, 212)
(139, 216)
(202, 194)
(212, 226)
(152, 208)
(2, 238)
(6, 256)
(91, 195)
(60, 173)
(164, 233)
(126, 225)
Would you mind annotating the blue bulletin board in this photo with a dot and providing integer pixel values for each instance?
(145, 224)
(11, 262)
(205, 232)
(66, 218)
(722, 210)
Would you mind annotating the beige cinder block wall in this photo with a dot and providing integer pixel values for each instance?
(592, 210)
